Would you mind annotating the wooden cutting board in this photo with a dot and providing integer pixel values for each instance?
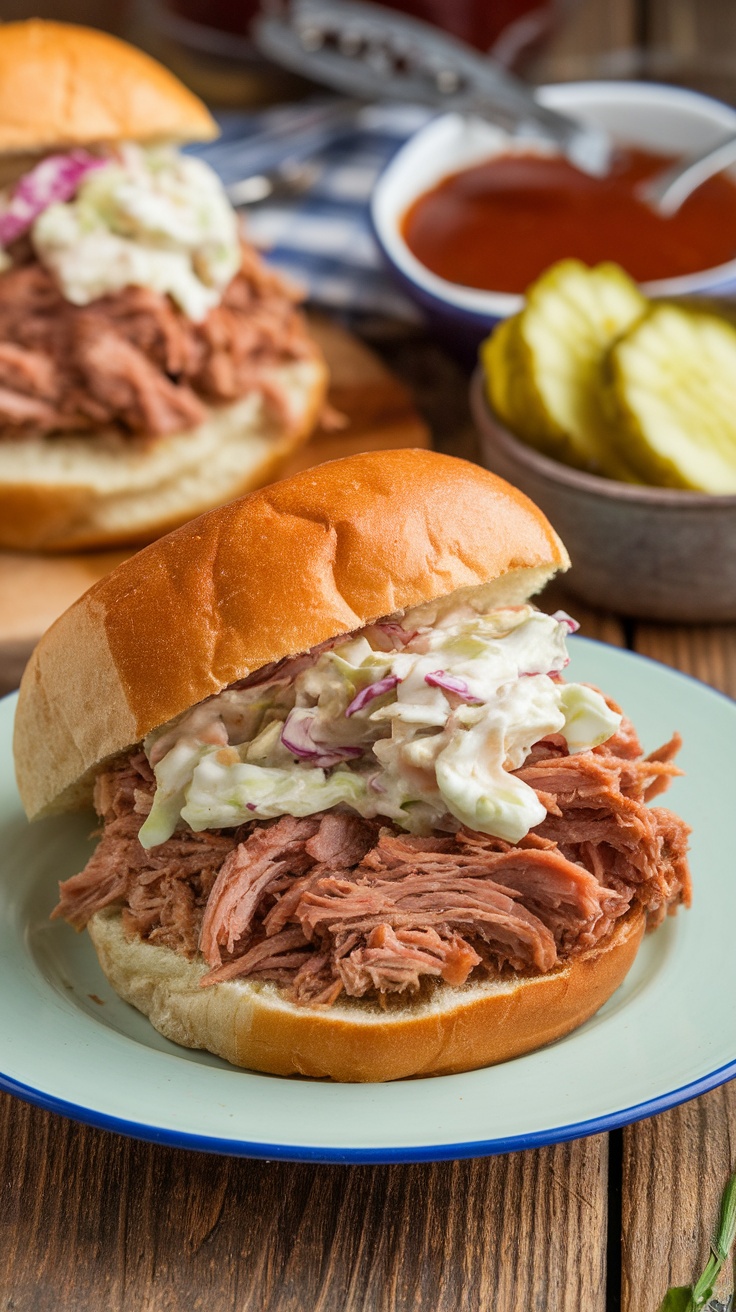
(380, 414)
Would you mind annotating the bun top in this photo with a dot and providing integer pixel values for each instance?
(268, 576)
(63, 85)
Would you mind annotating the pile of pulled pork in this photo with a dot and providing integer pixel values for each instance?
(132, 362)
(333, 905)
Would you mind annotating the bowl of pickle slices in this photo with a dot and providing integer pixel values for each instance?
(617, 415)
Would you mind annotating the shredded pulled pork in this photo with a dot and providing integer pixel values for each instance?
(332, 904)
(132, 361)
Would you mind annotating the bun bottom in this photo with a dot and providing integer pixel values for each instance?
(75, 492)
(252, 1025)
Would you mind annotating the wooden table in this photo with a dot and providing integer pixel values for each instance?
(92, 1222)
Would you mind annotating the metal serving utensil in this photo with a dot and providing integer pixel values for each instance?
(371, 53)
(665, 192)
(668, 190)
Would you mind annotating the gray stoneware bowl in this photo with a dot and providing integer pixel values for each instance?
(653, 553)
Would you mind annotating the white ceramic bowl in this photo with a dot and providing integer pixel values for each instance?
(662, 118)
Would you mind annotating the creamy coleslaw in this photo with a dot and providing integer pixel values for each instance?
(146, 217)
(420, 719)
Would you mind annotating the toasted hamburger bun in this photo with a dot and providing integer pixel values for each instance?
(251, 1023)
(66, 493)
(62, 85)
(271, 575)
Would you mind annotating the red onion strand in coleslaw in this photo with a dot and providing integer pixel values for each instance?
(562, 617)
(297, 737)
(396, 632)
(452, 683)
(56, 178)
(548, 674)
(376, 689)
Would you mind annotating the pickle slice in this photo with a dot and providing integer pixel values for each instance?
(544, 365)
(496, 360)
(672, 385)
(512, 397)
(572, 316)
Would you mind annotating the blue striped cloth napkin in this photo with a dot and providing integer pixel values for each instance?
(322, 239)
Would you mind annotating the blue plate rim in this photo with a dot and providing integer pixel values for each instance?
(370, 1156)
(614, 1120)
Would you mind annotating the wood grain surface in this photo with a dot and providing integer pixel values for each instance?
(674, 1169)
(675, 1165)
(94, 1221)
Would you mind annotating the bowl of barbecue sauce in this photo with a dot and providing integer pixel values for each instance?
(467, 216)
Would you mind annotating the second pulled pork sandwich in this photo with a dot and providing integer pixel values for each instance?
(150, 365)
(354, 821)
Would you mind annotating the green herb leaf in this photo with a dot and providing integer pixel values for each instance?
(678, 1299)
(686, 1298)
(703, 1291)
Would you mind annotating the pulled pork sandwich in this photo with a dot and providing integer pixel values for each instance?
(354, 821)
(150, 366)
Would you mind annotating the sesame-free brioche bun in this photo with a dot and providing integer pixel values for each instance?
(63, 85)
(270, 575)
(252, 1024)
(79, 492)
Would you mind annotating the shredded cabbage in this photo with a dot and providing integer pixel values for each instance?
(222, 795)
(150, 218)
(426, 733)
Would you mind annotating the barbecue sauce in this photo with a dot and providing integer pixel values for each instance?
(499, 224)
